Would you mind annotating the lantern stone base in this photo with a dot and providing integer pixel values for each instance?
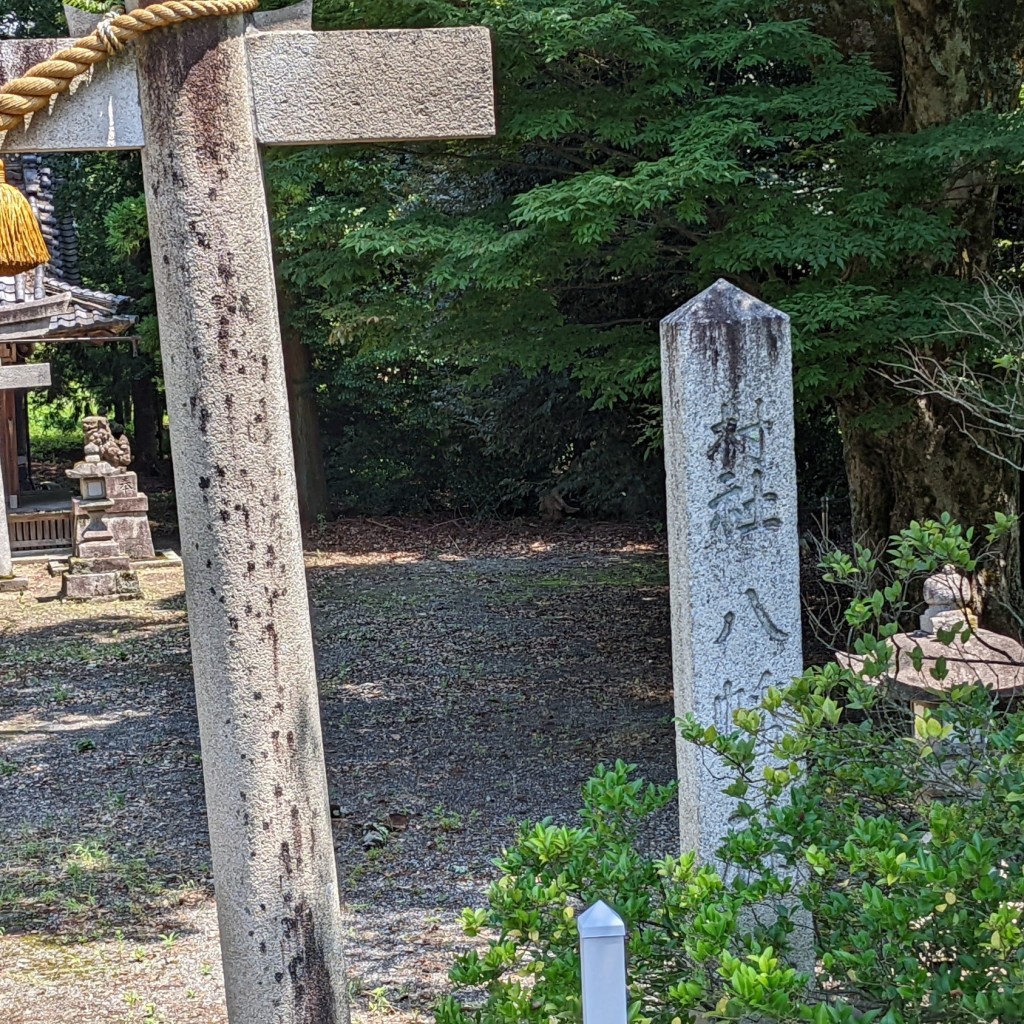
(13, 584)
(125, 517)
(98, 579)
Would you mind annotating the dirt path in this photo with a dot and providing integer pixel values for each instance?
(469, 681)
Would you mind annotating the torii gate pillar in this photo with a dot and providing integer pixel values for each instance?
(206, 95)
(241, 543)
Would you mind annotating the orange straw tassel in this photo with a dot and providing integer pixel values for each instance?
(21, 242)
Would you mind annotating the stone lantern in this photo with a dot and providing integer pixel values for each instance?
(984, 659)
(111, 526)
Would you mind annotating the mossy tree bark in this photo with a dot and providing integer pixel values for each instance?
(310, 479)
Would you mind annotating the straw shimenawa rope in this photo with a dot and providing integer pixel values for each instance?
(32, 91)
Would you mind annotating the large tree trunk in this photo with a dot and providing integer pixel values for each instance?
(956, 56)
(926, 466)
(148, 408)
(305, 420)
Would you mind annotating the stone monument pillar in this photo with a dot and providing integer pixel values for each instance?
(734, 557)
(732, 531)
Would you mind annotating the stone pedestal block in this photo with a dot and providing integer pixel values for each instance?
(12, 584)
(131, 531)
(100, 579)
(125, 511)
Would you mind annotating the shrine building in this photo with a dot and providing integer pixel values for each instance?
(48, 305)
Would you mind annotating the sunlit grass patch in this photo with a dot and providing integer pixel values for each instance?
(87, 887)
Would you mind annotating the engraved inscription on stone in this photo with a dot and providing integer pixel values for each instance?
(733, 440)
(740, 509)
(773, 631)
(741, 505)
(728, 619)
(737, 696)
(761, 616)
(727, 703)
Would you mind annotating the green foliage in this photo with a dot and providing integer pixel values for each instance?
(408, 435)
(907, 852)
(644, 149)
(399, 442)
(27, 18)
(102, 193)
(92, 6)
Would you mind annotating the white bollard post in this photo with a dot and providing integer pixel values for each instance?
(603, 962)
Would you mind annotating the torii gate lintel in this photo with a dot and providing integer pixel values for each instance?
(309, 88)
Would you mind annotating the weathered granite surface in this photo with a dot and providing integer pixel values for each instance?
(99, 580)
(732, 526)
(425, 84)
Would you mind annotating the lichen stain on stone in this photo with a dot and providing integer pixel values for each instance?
(296, 844)
(189, 66)
(225, 271)
(720, 343)
(201, 237)
(275, 644)
(312, 985)
(208, 87)
(223, 334)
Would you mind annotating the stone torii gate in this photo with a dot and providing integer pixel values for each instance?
(199, 100)
(15, 378)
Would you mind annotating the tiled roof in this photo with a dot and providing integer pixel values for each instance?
(90, 313)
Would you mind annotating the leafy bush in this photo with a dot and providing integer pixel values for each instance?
(907, 852)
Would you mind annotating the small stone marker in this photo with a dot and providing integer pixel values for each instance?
(732, 527)
(19, 377)
(199, 100)
(603, 965)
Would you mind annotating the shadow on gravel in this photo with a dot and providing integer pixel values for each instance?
(459, 697)
(101, 811)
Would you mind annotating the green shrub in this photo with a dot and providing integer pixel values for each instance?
(906, 850)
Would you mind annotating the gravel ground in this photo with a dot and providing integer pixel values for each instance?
(471, 678)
